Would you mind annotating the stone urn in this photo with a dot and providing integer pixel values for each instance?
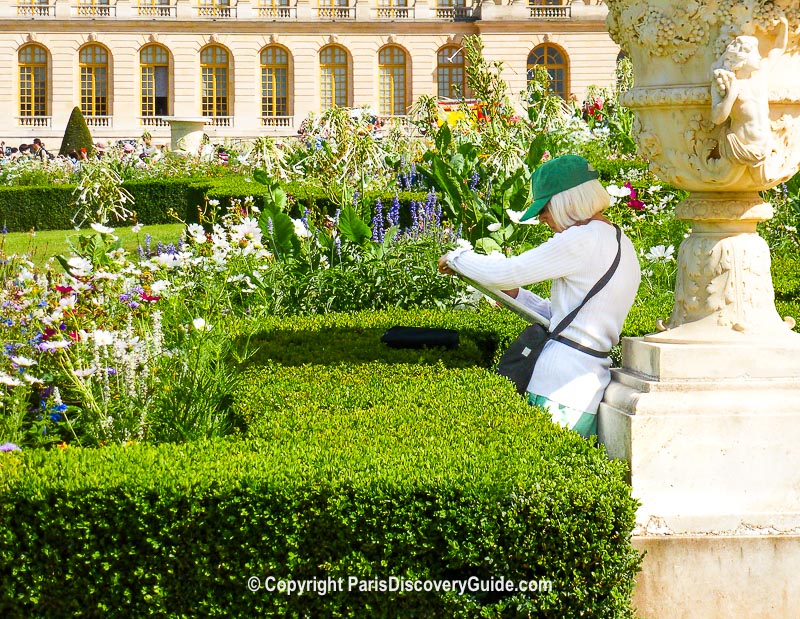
(716, 99)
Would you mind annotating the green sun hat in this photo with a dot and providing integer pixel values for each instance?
(555, 176)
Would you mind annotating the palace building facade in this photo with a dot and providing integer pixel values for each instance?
(259, 67)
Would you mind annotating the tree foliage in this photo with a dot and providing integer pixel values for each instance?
(76, 135)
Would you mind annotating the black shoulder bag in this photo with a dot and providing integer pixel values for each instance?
(519, 359)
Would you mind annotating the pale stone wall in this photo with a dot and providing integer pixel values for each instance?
(508, 30)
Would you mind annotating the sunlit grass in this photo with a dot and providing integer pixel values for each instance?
(42, 245)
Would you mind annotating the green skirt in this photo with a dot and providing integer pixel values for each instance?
(582, 422)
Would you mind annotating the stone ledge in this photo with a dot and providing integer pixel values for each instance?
(749, 360)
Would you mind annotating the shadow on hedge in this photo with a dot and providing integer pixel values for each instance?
(354, 345)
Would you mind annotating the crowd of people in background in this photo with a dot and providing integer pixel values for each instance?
(137, 152)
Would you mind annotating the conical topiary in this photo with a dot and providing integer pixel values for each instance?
(77, 134)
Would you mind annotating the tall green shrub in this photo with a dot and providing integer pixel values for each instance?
(77, 134)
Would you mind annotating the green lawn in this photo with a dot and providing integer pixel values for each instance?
(43, 244)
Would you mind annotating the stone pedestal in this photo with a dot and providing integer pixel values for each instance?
(683, 574)
(712, 435)
(186, 133)
(707, 412)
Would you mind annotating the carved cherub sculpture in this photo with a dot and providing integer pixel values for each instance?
(740, 92)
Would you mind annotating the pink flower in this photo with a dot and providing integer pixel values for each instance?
(633, 202)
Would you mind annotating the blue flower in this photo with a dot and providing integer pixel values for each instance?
(473, 183)
(377, 222)
(394, 211)
(9, 447)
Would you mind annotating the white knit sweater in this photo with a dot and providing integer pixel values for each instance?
(575, 260)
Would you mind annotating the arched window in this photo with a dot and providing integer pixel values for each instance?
(33, 87)
(555, 61)
(94, 81)
(392, 81)
(334, 77)
(214, 73)
(154, 61)
(274, 82)
(450, 75)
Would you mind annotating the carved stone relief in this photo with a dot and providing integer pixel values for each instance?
(726, 276)
(677, 29)
(711, 118)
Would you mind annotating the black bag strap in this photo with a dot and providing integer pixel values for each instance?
(555, 333)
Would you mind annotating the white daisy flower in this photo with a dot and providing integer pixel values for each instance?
(515, 216)
(103, 338)
(618, 192)
(660, 253)
(201, 325)
(9, 381)
(79, 267)
(23, 361)
(300, 229)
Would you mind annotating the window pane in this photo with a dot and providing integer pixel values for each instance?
(94, 81)
(33, 81)
(392, 80)
(333, 77)
(557, 65)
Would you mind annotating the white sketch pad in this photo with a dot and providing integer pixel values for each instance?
(501, 297)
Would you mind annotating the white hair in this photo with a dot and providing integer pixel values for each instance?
(580, 203)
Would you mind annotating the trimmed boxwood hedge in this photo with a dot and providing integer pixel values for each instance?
(53, 207)
(353, 460)
(41, 208)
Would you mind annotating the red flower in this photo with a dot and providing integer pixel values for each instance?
(633, 202)
(65, 289)
(149, 298)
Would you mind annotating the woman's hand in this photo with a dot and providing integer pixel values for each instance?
(443, 268)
